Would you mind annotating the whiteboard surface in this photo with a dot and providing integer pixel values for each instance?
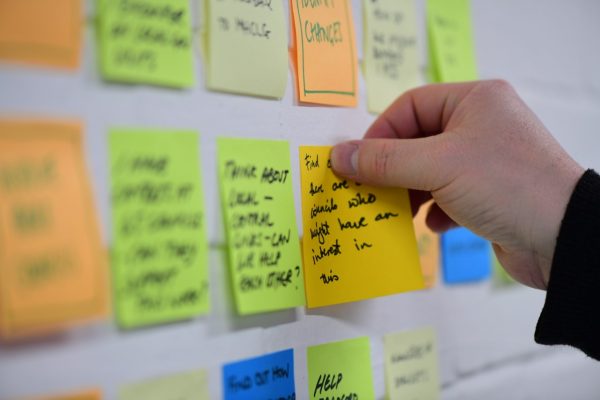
(550, 51)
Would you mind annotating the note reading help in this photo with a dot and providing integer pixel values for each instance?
(266, 377)
(359, 241)
(391, 53)
(411, 365)
(245, 47)
(324, 48)
(260, 222)
(53, 269)
(159, 251)
(147, 41)
(451, 47)
(192, 385)
(340, 370)
(42, 32)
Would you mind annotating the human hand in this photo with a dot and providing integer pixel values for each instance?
(484, 157)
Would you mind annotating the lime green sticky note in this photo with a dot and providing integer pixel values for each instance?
(159, 255)
(391, 51)
(411, 365)
(191, 385)
(246, 47)
(260, 221)
(452, 53)
(500, 278)
(146, 42)
(340, 370)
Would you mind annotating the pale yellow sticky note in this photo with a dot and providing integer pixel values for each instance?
(429, 247)
(411, 365)
(53, 269)
(246, 47)
(391, 51)
(358, 241)
(451, 46)
(191, 385)
(41, 32)
(93, 394)
(324, 52)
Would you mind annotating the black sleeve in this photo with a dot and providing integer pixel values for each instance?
(571, 314)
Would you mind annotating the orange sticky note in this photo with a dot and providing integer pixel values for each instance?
(52, 265)
(42, 32)
(429, 247)
(325, 52)
(83, 395)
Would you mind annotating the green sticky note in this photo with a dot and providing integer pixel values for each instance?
(246, 47)
(260, 221)
(340, 370)
(159, 255)
(411, 365)
(500, 278)
(191, 385)
(451, 47)
(391, 52)
(146, 42)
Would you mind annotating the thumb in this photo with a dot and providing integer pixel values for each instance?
(420, 164)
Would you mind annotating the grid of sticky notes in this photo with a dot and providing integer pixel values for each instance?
(349, 226)
(52, 265)
(159, 257)
(244, 45)
(262, 236)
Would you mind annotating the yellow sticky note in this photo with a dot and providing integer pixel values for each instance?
(94, 394)
(262, 235)
(42, 32)
(428, 243)
(451, 47)
(324, 48)
(391, 52)
(52, 265)
(358, 241)
(246, 47)
(411, 365)
(191, 385)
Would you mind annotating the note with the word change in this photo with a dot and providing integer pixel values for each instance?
(391, 51)
(41, 32)
(340, 370)
(146, 41)
(411, 365)
(260, 222)
(159, 249)
(245, 47)
(359, 240)
(191, 385)
(451, 46)
(53, 268)
(324, 52)
(428, 243)
(270, 376)
(465, 256)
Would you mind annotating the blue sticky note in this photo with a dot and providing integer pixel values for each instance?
(465, 256)
(266, 377)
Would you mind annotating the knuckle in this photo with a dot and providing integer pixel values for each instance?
(499, 86)
(383, 161)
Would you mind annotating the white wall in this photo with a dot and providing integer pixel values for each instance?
(549, 50)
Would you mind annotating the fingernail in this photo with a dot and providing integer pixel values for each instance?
(344, 158)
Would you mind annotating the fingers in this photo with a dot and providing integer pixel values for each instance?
(421, 164)
(420, 112)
